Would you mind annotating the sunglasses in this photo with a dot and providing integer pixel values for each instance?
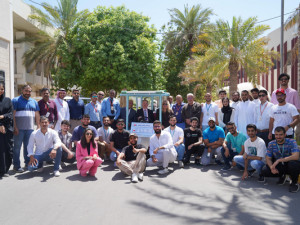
(120, 124)
(94, 96)
(89, 134)
(261, 96)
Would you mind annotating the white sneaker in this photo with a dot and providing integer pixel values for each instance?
(56, 173)
(180, 163)
(134, 178)
(141, 176)
(60, 168)
(163, 171)
(40, 170)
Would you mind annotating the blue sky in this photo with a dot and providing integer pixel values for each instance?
(158, 12)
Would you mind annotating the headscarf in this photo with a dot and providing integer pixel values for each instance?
(227, 111)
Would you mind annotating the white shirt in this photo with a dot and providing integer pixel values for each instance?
(262, 115)
(244, 115)
(43, 142)
(255, 148)
(234, 104)
(175, 134)
(209, 110)
(105, 134)
(283, 116)
(256, 101)
(164, 140)
(62, 112)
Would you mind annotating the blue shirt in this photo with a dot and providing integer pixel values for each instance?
(213, 135)
(177, 112)
(94, 111)
(76, 109)
(106, 108)
(289, 146)
(25, 112)
(236, 141)
(79, 130)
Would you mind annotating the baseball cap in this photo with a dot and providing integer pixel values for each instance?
(280, 90)
(133, 134)
(212, 118)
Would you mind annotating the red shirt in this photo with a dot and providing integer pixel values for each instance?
(50, 108)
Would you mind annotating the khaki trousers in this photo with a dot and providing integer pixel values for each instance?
(134, 166)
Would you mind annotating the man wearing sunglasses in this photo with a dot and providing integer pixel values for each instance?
(100, 97)
(94, 110)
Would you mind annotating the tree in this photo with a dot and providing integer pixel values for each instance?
(234, 47)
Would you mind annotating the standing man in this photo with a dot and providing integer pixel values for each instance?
(62, 106)
(132, 159)
(177, 137)
(283, 158)
(162, 151)
(193, 142)
(170, 100)
(48, 108)
(47, 147)
(111, 107)
(284, 114)
(94, 110)
(254, 93)
(262, 116)
(131, 113)
(235, 99)
(253, 158)
(177, 109)
(244, 113)
(144, 114)
(209, 109)
(191, 109)
(104, 134)
(222, 94)
(26, 112)
(100, 97)
(76, 106)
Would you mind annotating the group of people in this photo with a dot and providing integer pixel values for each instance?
(248, 132)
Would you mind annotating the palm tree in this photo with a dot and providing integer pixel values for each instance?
(234, 47)
(189, 24)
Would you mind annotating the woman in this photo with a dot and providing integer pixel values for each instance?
(166, 113)
(6, 133)
(226, 113)
(87, 154)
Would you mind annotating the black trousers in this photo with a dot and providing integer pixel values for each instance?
(6, 151)
(264, 136)
(64, 157)
(291, 168)
(196, 150)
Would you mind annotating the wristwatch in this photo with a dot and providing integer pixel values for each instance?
(289, 126)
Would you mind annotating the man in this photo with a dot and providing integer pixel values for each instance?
(47, 147)
(191, 109)
(76, 106)
(193, 142)
(177, 109)
(26, 112)
(170, 100)
(209, 109)
(262, 116)
(254, 155)
(144, 114)
(79, 130)
(222, 94)
(119, 139)
(132, 159)
(48, 108)
(213, 137)
(131, 113)
(100, 97)
(111, 107)
(162, 151)
(244, 113)
(94, 110)
(68, 155)
(235, 99)
(104, 134)
(254, 93)
(284, 114)
(232, 146)
(177, 137)
(62, 106)
(283, 158)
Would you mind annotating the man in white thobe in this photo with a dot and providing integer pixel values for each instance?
(62, 108)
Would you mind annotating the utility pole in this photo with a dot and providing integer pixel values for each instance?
(282, 37)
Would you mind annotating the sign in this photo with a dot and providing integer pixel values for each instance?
(142, 129)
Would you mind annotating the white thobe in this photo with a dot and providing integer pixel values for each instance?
(244, 115)
(62, 112)
(234, 104)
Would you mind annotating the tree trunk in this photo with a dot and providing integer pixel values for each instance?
(233, 78)
(208, 88)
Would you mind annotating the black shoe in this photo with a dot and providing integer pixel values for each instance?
(294, 188)
(261, 178)
(197, 162)
(281, 180)
(219, 162)
(250, 173)
(226, 167)
(185, 162)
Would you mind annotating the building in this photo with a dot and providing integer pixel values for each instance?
(15, 24)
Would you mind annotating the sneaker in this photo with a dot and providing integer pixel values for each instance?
(19, 170)
(250, 173)
(218, 162)
(226, 167)
(56, 173)
(141, 176)
(6, 175)
(40, 170)
(281, 180)
(62, 164)
(294, 188)
(180, 163)
(261, 178)
(163, 171)
(134, 178)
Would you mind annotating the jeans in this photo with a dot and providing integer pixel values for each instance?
(113, 155)
(180, 151)
(228, 159)
(45, 157)
(205, 160)
(22, 137)
(252, 164)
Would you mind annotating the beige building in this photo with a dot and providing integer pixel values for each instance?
(15, 24)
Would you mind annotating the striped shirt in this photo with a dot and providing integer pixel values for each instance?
(281, 151)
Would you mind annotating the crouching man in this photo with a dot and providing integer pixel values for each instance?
(132, 159)
(47, 147)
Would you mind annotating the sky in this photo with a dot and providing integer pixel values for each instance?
(158, 10)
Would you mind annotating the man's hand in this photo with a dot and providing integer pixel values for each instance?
(2, 129)
(155, 150)
(118, 162)
(190, 146)
(118, 153)
(70, 155)
(270, 136)
(176, 144)
(245, 175)
(226, 153)
(135, 150)
(154, 159)
(16, 131)
(32, 161)
(52, 154)
(244, 156)
(1, 117)
(51, 126)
